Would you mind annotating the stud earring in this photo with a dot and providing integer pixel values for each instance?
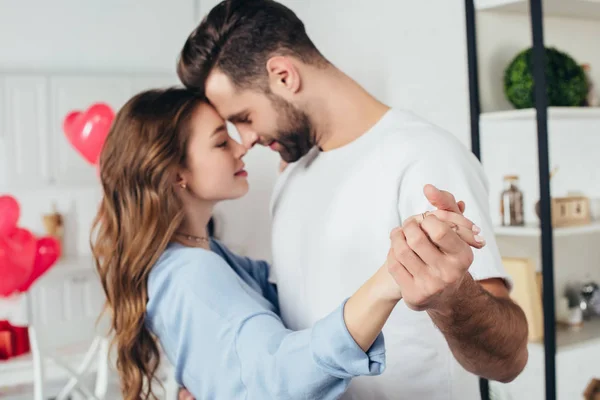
(183, 185)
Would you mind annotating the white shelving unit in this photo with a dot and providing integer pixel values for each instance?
(584, 9)
(554, 113)
(574, 136)
(509, 146)
(571, 338)
(533, 230)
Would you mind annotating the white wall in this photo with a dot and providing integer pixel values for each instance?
(403, 52)
(411, 54)
(94, 35)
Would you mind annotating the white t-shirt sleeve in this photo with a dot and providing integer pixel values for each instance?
(459, 173)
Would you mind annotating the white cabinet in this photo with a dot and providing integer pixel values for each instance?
(34, 150)
(62, 307)
(24, 131)
(78, 93)
(66, 304)
(3, 139)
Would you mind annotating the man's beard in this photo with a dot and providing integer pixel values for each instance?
(295, 133)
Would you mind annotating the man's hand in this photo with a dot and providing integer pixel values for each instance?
(443, 200)
(486, 333)
(433, 252)
(432, 261)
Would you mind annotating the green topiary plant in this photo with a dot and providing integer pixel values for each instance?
(566, 82)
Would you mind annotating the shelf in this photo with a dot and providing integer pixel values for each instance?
(553, 113)
(568, 338)
(582, 9)
(533, 230)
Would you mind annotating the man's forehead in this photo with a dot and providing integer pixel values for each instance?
(220, 92)
(219, 85)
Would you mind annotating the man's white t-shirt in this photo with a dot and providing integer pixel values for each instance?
(332, 216)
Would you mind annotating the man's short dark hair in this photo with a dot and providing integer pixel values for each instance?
(238, 37)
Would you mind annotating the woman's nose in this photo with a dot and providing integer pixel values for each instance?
(240, 150)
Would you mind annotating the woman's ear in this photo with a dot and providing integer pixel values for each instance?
(180, 182)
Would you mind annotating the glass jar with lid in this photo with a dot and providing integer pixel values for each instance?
(511, 202)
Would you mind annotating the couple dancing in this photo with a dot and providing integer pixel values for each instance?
(363, 247)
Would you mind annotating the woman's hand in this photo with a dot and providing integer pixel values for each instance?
(466, 230)
(430, 256)
(184, 395)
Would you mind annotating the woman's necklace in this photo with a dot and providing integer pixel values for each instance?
(192, 238)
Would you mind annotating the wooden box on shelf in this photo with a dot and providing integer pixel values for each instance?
(570, 211)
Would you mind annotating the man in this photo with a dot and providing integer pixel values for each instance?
(356, 171)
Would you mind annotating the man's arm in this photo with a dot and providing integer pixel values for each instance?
(487, 332)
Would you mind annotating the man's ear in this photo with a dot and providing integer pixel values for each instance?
(284, 77)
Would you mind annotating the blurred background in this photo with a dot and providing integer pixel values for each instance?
(64, 56)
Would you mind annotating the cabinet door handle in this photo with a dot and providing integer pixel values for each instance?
(78, 279)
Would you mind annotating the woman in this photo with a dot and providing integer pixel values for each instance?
(166, 162)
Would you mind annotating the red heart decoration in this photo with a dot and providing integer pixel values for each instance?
(9, 215)
(17, 256)
(87, 131)
(47, 252)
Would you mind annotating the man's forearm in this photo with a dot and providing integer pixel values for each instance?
(487, 334)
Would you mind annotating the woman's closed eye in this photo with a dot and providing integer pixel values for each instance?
(223, 144)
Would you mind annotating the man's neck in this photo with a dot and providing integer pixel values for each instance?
(342, 110)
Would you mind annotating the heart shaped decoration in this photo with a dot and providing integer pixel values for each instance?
(87, 131)
(47, 252)
(9, 215)
(17, 256)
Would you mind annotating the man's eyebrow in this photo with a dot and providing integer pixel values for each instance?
(237, 117)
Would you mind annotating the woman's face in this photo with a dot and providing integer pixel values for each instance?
(214, 170)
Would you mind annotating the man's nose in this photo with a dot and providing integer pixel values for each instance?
(249, 138)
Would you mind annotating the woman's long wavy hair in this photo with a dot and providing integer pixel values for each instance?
(137, 217)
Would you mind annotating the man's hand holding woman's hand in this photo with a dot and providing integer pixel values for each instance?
(431, 253)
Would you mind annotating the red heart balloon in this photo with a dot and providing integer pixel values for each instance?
(87, 131)
(17, 256)
(9, 215)
(47, 252)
